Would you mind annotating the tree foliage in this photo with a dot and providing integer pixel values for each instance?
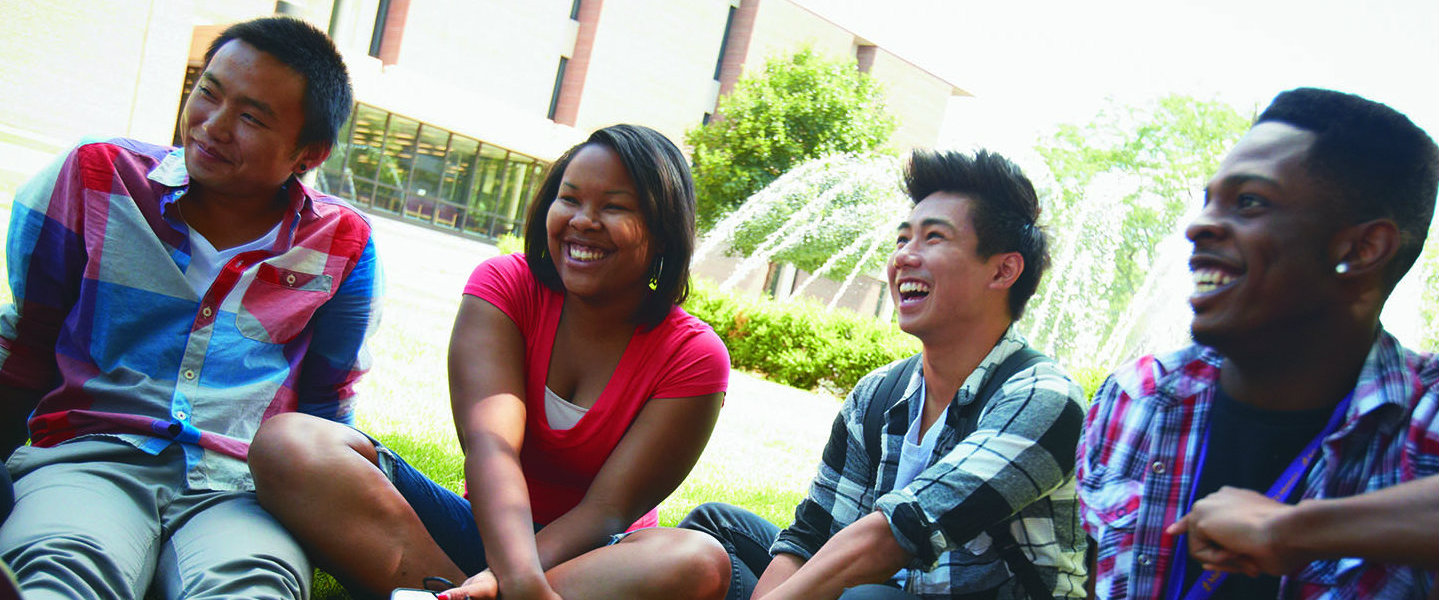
(1120, 185)
(798, 107)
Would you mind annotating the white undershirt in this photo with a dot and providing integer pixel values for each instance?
(560, 413)
(914, 454)
(206, 262)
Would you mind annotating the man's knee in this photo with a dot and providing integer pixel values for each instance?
(710, 517)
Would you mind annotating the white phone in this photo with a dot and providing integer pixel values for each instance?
(412, 594)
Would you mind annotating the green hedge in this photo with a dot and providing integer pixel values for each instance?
(799, 343)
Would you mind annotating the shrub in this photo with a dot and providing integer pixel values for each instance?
(799, 343)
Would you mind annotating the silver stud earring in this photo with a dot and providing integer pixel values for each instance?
(1341, 268)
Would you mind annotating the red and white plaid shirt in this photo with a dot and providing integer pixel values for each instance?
(1137, 464)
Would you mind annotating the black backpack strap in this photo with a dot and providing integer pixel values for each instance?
(1003, 540)
(890, 390)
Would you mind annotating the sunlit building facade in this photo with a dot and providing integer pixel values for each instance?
(461, 104)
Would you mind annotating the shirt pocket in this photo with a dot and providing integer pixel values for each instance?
(1111, 508)
(279, 303)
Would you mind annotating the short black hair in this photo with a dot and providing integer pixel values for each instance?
(667, 202)
(310, 53)
(1004, 209)
(1380, 163)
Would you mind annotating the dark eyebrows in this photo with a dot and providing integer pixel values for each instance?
(566, 184)
(929, 222)
(263, 107)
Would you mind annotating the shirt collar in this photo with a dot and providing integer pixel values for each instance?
(1383, 380)
(171, 173)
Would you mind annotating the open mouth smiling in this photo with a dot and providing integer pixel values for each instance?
(1210, 280)
(581, 253)
(912, 291)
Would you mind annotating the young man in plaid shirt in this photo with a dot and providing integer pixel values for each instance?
(168, 300)
(1296, 419)
(967, 260)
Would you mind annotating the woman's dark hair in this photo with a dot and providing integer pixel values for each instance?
(667, 202)
(1003, 209)
(311, 53)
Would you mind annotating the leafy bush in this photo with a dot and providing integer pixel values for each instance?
(510, 243)
(799, 343)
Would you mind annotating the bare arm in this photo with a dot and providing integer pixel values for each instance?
(661, 446)
(1244, 531)
(864, 552)
(486, 364)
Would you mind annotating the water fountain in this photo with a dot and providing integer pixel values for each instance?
(835, 215)
(849, 205)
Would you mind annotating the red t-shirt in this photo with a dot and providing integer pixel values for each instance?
(678, 358)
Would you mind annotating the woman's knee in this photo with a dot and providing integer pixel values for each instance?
(292, 448)
(695, 562)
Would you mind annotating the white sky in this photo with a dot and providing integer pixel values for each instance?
(1034, 63)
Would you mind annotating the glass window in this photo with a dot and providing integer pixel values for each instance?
(427, 174)
(334, 178)
(459, 181)
(399, 159)
(367, 158)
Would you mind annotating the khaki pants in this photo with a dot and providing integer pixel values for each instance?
(98, 518)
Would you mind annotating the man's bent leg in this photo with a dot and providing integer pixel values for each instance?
(224, 545)
(876, 591)
(745, 535)
(84, 523)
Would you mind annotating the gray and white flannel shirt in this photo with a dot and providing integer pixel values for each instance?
(1020, 458)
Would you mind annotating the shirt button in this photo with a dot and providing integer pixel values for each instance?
(290, 279)
(1144, 559)
(206, 311)
(189, 373)
(180, 415)
(1157, 467)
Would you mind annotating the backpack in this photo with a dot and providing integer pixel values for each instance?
(889, 392)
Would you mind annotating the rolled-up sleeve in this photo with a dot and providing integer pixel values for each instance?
(841, 492)
(1023, 448)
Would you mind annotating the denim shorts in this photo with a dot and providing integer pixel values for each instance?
(446, 515)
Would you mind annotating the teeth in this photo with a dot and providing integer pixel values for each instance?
(913, 287)
(1208, 280)
(585, 253)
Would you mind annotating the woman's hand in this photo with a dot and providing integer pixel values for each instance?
(482, 586)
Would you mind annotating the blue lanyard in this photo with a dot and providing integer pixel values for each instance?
(1209, 581)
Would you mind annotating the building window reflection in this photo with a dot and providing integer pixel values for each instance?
(389, 163)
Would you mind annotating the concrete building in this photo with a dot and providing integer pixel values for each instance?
(461, 103)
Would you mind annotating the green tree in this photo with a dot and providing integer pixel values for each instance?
(798, 107)
(1120, 185)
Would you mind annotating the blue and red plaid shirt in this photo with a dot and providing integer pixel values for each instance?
(106, 327)
(1138, 455)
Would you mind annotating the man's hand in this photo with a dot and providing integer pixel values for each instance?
(1235, 530)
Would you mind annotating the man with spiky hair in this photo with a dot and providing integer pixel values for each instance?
(1293, 393)
(949, 473)
(168, 300)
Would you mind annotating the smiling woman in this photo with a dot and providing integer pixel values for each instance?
(582, 395)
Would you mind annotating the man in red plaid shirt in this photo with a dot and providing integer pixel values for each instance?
(1294, 402)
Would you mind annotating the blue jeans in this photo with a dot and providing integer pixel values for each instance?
(445, 514)
(747, 537)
